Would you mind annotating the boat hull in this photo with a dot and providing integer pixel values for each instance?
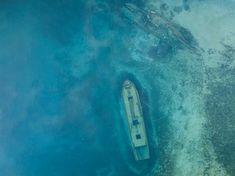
(135, 120)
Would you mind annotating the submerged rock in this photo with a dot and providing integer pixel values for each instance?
(162, 51)
(177, 9)
(158, 25)
(186, 5)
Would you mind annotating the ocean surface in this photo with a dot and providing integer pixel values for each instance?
(62, 64)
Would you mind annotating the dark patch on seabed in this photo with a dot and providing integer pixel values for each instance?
(164, 50)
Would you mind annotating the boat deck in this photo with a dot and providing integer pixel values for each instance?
(135, 121)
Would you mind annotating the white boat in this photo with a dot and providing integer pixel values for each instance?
(135, 120)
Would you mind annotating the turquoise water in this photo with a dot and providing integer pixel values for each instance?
(61, 109)
(62, 64)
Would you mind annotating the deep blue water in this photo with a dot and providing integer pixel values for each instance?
(60, 93)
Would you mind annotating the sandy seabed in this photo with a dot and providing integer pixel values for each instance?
(187, 84)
